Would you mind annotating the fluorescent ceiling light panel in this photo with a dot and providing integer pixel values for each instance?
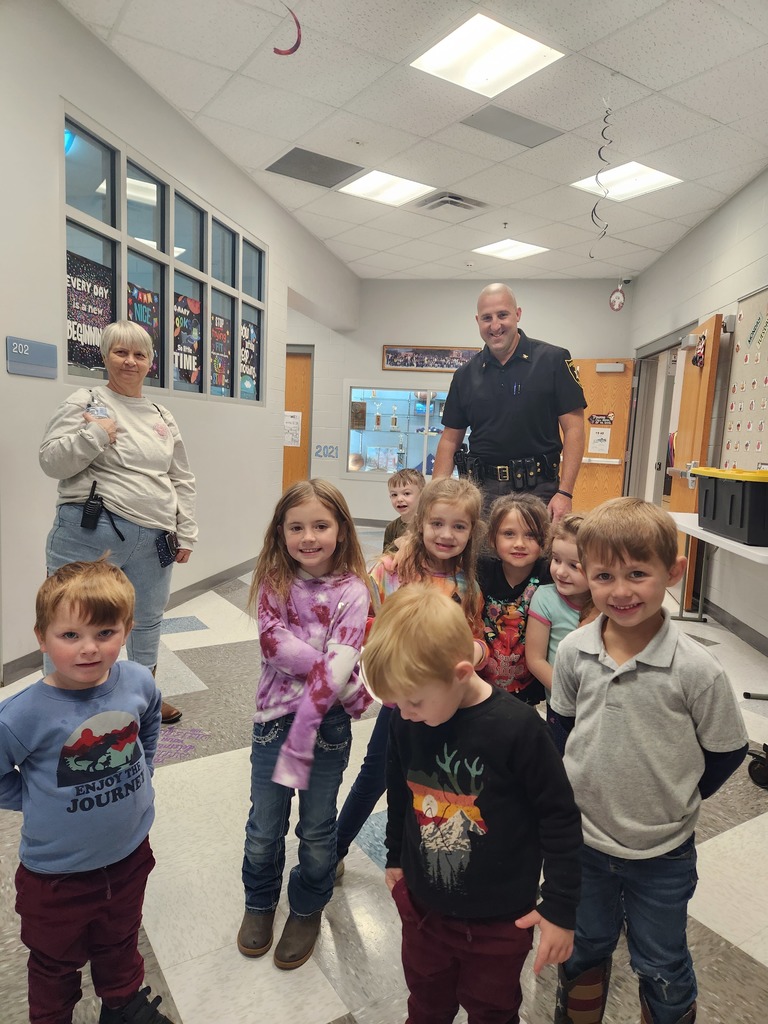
(509, 249)
(627, 182)
(486, 57)
(386, 188)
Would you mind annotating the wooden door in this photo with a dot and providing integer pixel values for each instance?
(609, 397)
(693, 427)
(298, 399)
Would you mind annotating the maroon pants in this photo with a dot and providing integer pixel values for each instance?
(450, 961)
(69, 919)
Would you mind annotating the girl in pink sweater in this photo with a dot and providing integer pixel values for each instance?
(310, 597)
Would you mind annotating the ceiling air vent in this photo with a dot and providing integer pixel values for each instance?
(451, 200)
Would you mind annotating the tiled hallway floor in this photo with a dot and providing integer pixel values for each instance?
(209, 667)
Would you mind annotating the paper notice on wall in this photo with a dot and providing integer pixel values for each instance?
(599, 440)
(292, 430)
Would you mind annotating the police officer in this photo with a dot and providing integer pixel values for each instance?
(516, 396)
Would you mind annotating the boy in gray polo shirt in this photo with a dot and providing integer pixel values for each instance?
(654, 728)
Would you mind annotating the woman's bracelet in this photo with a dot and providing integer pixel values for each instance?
(564, 493)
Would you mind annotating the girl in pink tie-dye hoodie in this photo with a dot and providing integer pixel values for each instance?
(310, 597)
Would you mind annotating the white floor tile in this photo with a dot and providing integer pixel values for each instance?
(732, 897)
(225, 623)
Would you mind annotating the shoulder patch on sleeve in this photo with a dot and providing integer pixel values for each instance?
(573, 370)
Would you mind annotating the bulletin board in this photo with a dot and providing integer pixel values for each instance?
(745, 434)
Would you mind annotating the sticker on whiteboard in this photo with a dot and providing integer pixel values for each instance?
(292, 430)
(599, 440)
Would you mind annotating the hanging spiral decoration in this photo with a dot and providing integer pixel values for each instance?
(597, 220)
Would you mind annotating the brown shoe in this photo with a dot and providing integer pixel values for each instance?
(169, 714)
(297, 941)
(255, 935)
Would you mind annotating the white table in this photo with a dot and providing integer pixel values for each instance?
(688, 523)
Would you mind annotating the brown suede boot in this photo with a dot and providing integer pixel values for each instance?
(255, 935)
(297, 941)
(581, 1000)
(645, 1014)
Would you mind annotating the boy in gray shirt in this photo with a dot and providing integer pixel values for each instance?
(653, 728)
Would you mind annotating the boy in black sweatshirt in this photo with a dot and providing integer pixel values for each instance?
(477, 799)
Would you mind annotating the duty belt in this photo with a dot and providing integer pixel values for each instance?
(525, 473)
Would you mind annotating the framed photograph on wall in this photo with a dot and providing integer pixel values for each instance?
(440, 360)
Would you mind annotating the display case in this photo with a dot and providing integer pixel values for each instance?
(393, 428)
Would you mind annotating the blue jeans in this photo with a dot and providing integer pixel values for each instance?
(136, 556)
(651, 896)
(369, 785)
(310, 884)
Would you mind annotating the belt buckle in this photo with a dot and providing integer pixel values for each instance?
(502, 473)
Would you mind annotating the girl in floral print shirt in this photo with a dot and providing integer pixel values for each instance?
(310, 597)
(517, 531)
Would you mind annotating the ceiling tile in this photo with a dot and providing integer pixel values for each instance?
(363, 270)
(427, 252)
(350, 208)
(690, 159)
(357, 139)
(368, 236)
(459, 237)
(386, 27)
(649, 49)
(434, 164)
(594, 269)
(506, 218)
(168, 72)
(734, 179)
(656, 236)
(322, 227)
(649, 124)
(570, 92)
(410, 99)
(286, 115)
(731, 91)
(348, 252)
(425, 270)
(636, 261)
(567, 23)
(557, 236)
(103, 13)
(620, 216)
(323, 68)
(604, 248)
(754, 12)
(501, 184)
(250, 149)
(287, 191)
(385, 261)
(471, 140)
(305, 165)
(401, 222)
(565, 159)
(677, 200)
(754, 127)
(555, 259)
(224, 30)
(561, 203)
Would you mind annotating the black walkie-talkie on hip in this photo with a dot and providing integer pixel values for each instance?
(92, 509)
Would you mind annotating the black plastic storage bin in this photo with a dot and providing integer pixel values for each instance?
(734, 503)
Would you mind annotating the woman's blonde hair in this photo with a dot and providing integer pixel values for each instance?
(276, 567)
(414, 561)
(125, 332)
(531, 510)
(419, 636)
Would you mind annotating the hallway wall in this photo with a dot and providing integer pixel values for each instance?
(52, 65)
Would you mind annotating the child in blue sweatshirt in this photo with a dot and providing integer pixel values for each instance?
(76, 752)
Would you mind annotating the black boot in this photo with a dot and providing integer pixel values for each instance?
(138, 1011)
(584, 995)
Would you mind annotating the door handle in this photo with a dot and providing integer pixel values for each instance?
(602, 462)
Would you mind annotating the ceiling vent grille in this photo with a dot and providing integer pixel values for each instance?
(452, 200)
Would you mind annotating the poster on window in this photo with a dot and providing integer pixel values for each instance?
(249, 360)
(187, 340)
(221, 355)
(90, 291)
(144, 309)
